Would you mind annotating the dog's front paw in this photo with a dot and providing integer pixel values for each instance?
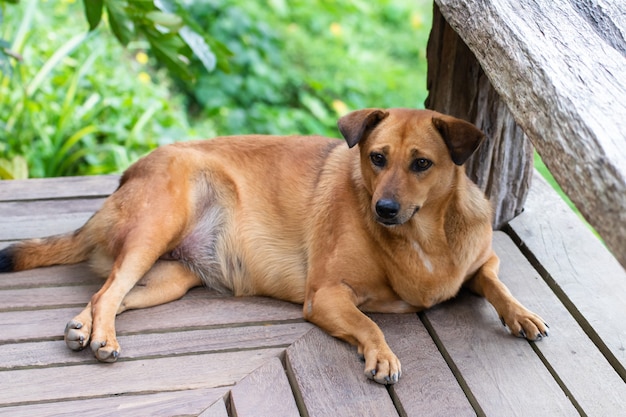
(382, 365)
(524, 323)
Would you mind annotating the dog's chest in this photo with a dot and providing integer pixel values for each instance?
(423, 278)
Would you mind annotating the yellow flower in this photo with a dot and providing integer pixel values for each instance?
(144, 77)
(340, 107)
(142, 58)
(416, 20)
(335, 29)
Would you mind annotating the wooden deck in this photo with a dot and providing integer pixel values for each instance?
(212, 355)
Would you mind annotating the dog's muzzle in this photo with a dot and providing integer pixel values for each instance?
(388, 212)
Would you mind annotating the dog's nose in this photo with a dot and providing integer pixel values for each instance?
(387, 209)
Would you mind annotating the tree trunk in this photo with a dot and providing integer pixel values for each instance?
(457, 85)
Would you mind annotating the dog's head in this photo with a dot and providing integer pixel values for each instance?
(408, 157)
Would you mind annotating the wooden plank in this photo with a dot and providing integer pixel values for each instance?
(580, 366)
(265, 392)
(46, 297)
(43, 225)
(428, 386)
(564, 83)
(188, 402)
(328, 379)
(217, 409)
(22, 220)
(583, 273)
(79, 274)
(57, 188)
(39, 209)
(503, 374)
(140, 346)
(191, 311)
(149, 375)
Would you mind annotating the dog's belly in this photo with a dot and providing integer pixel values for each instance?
(230, 260)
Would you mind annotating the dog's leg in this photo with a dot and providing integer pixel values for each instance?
(107, 301)
(166, 281)
(334, 310)
(520, 321)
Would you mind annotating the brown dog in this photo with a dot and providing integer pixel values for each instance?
(392, 225)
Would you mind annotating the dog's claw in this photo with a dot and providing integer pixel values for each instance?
(522, 333)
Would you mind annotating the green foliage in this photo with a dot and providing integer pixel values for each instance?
(298, 65)
(173, 34)
(78, 103)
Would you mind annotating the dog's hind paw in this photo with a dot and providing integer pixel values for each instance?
(105, 350)
(77, 335)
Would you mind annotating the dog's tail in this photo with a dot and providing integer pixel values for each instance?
(64, 249)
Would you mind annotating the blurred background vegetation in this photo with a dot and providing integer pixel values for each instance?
(75, 101)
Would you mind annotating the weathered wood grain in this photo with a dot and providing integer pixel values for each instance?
(217, 409)
(581, 271)
(165, 404)
(582, 369)
(46, 297)
(566, 87)
(22, 220)
(188, 312)
(148, 375)
(427, 386)
(43, 225)
(143, 345)
(13, 210)
(328, 379)
(58, 188)
(265, 392)
(457, 85)
(66, 275)
(502, 372)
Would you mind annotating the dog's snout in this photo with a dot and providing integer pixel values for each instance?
(387, 209)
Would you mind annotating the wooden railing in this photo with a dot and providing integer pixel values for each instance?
(548, 72)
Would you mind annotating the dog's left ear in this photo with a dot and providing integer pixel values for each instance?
(462, 138)
(355, 126)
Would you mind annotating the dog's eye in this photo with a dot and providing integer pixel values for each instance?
(378, 159)
(421, 164)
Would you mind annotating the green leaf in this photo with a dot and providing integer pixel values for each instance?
(13, 169)
(166, 47)
(199, 47)
(168, 20)
(93, 11)
(210, 51)
(121, 26)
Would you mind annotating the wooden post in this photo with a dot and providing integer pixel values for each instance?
(457, 85)
(560, 66)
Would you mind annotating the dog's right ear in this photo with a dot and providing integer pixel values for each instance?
(355, 126)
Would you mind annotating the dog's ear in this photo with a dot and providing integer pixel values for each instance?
(355, 126)
(462, 138)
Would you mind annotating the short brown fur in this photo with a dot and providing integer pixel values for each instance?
(388, 224)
